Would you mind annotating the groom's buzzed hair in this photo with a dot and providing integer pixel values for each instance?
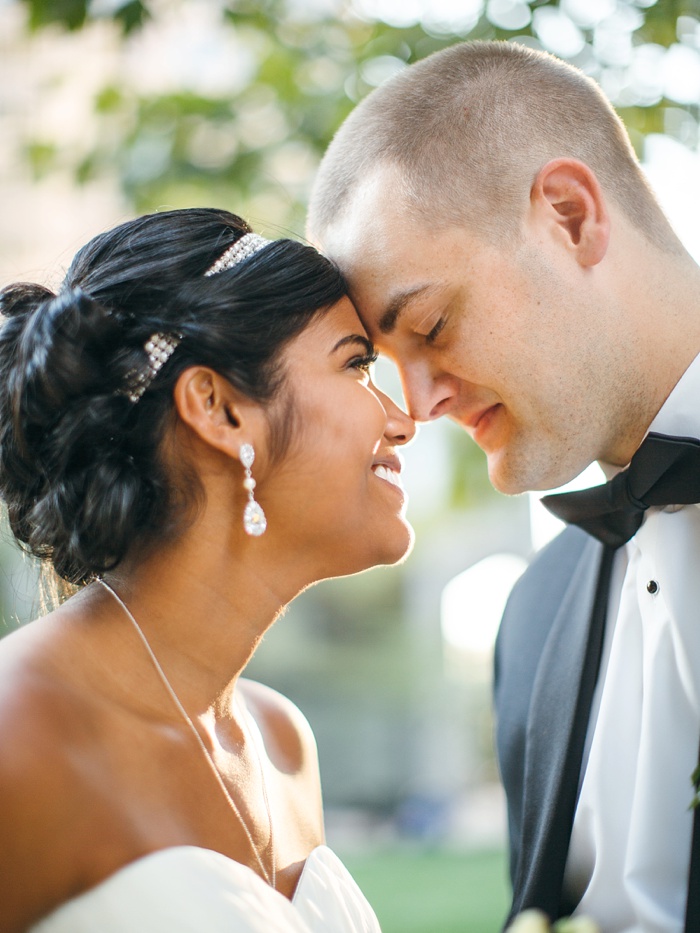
(468, 126)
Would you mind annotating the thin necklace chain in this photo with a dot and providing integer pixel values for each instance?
(270, 876)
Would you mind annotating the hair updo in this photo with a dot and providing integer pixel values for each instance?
(80, 470)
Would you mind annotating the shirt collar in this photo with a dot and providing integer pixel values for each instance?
(679, 416)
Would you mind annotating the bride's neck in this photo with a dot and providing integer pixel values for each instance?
(204, 606)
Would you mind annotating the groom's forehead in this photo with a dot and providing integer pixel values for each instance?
(371, 220)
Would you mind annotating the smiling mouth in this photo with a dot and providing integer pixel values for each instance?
(482, 422)
(474, 423)
(390, 476)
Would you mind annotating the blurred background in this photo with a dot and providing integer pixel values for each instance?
(111, 108)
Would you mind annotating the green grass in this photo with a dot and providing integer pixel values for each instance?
(434, 892)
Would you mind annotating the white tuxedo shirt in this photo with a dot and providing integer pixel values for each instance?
(630, 847)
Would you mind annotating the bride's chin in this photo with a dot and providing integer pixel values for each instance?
(409, 541)
(398, 548)
(388, 553)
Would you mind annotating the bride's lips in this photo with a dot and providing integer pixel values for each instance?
(388, 469)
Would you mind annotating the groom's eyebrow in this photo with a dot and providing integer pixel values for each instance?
(399, 302)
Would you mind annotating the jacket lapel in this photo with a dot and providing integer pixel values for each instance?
(557, 726)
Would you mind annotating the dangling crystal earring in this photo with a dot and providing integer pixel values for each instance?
(254, 521)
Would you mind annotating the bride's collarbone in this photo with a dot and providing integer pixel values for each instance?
(90, 783)
(107, 789)
(74, 815)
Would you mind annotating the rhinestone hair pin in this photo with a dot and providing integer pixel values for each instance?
(160, 347)
(247, 246)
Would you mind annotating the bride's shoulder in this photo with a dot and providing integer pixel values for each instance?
(45, 718)
(291, 748)
(32, 697)
(285, 729)
(43, 803)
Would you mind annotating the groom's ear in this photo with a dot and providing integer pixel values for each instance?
(568, 199)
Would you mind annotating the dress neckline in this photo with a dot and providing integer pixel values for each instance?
(180, 887)
(167, 851)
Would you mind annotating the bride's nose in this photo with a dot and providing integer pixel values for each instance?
(400, 427)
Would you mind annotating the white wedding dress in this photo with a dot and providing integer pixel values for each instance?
(187, 889)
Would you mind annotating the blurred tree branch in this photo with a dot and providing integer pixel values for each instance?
(309, 64)
(73, 14)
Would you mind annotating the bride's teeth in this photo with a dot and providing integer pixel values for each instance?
(390, 476)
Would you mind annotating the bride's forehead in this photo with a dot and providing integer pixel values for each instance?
(338, 321)
(344, 315)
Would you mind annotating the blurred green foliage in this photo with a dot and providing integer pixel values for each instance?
(254, 144)
(72, 14)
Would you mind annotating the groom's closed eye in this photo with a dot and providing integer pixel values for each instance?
(398, 304)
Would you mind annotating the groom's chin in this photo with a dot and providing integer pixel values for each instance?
(531, 480)
(506, 480)
(513, 475)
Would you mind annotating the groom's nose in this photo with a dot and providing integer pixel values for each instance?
(428, 395)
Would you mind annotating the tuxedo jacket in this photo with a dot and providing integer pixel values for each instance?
(547, 661)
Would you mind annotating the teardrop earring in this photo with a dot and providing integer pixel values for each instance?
(254, 521)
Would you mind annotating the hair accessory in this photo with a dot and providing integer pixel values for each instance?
(271, 875)
(254, 520)
(160, 347)
(248, 245)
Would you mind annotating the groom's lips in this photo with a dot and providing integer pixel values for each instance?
(481, 421)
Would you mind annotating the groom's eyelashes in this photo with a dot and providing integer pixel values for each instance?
(432, 335)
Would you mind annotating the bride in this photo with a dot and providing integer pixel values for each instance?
(190, 436)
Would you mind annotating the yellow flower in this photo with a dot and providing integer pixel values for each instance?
(530, 921)
(534, 921)
(576, 925)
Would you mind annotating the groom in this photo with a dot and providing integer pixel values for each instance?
(503, 247)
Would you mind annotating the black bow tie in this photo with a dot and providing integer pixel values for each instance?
(664, 471)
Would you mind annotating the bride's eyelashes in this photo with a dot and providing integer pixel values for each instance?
(364, 362)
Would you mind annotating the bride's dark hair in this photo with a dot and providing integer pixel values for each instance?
(80, 470)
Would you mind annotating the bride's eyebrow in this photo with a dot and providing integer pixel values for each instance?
(367, 345)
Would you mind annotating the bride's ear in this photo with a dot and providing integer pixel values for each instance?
(217, 413)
